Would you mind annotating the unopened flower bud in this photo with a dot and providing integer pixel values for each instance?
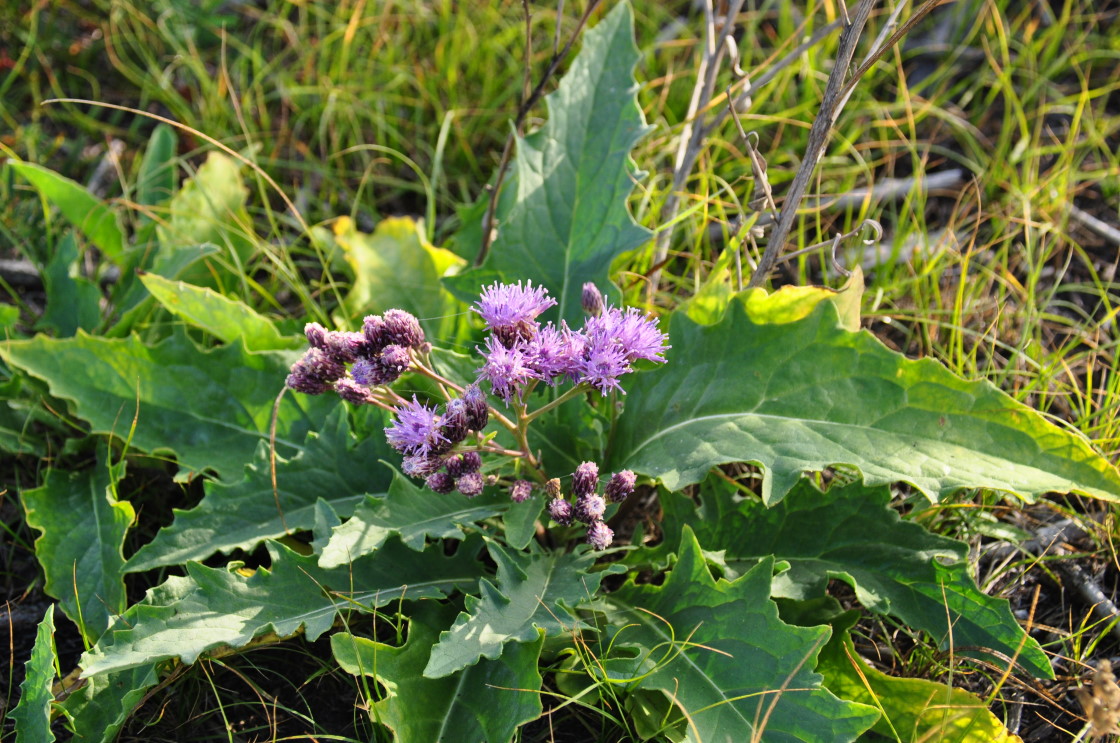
(589, 508)
(470, 484)
(314, 372)
(373, 328)
(345, 347)
(620, 486)
(440, 482)
(352, 392)
(592, 299)
(561, 511)
(316, 334)
(472, 461)
(394, 359)
(599, 535)
(585, 480)
(552, 488)
(420, 465)
(453, 424)
(520, 491)
(454, 465)
(370, 372)
(403, 328)
(478, 412)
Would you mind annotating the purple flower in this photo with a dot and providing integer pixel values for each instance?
(561, 511)
(554, 352)
(461, 464)
(478, 412)
(602, 364)
(453, 424)
(472, 461)
(510, 310)
(373, 328)
(314, 372)
(352, 392)
(636, 334)
(506, 369)
(520, 491)
(316, 334)
(599, 535)
(470, 484)
(402, 328)
(441, 482)
(345, 347)
(589, 508)
(591, 299)
(620, 486)
(585, 480)
(415, 430)
(395, 359)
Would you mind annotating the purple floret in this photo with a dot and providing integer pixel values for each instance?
(636, 334)
(373, 328)
(620, 486)
(561, 511)
(394, 359)
(589, 508)
(506, 369)
(316, 334)
(402, 328)
(554, 352)
(470, 484)
(602, 364)
(510, 310)
(478, 412)
(599, 535)
(585, 480)
(453, 425)
(415, 431)
(441, 482)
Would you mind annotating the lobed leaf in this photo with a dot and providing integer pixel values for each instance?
(32, 716)
(211, 608)
(797, 394)
(98, 710)
(486, 701)
(333, 467)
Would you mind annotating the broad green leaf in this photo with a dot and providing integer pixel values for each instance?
(804, 394)
(520, 520)
(158, 171)
(851, 534)
(82, 209)
(209, 208)
(32, 716)
(912, 709)
(73, 301)
(720, 652)
(332, 465)
(486, 702)
(533, 591)
(211, 408)
(82, 527)
(396, 267)
(210, 607)
(410, 512)
(569, 219)
(223, 317)
(104, 703)
(9, 316)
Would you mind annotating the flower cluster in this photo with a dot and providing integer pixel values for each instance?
(353, 363)
(427, 438)
(521, 351)
(589, 506)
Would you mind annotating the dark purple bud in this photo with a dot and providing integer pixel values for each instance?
(454, 465)
(561, 511)
(552, 488)
(585, 480)
(395, 359)
(589, 508)
(620, 486)
(472, 461)
(478, 412)
(419, 465)
(441, 482)
(308, 385)
(370, 372)
(402, 328)
(470, 484)
(352, 392)
(314, 372)
(454, 421)
(592, 300)
(316, 334)
(373, 328)
(599, 535)
(520, 491)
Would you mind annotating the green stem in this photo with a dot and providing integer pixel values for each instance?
(577, 390)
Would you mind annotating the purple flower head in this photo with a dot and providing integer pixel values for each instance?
(472, 461)
(370, 373)
(403, 329)
(440, 482)
(315, 372)
(510, 310)
(635, 333)
(478, 412)
(455, 466)
(421, 465)
(316, 334)
(395, 359)
(601, 366)
(561, 511)
(453, 424)
(415, 430)
(373, 328)
(585, 480)
(520, 491)
(620, 486)
(554, 352)
(599, 535)
(345, 347)
(470, 484)
(592, 299)
(506, 369)
(589, 508)
(352, 392)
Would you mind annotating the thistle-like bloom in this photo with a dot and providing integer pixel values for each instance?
(589, 508)
(585, 480)
(415, 430)
(561, 511)
(592, 299)
(441, 482)
(510, 310)
(403, 329)
(602, 364)
(620, 486)
(599, 535)
(507, 369)
(636, 334)
(554, 352)
(478, 412)
(315, 372)
(470, 484)
(520, 491)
